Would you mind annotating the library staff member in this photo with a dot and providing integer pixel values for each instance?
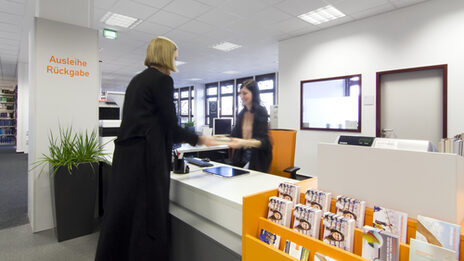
(253, 149)
(135, 224)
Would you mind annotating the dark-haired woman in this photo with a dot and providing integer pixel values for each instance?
(253, 149)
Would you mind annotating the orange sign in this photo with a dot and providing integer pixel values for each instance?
(61, 66)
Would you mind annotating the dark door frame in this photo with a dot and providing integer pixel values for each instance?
(443, 67)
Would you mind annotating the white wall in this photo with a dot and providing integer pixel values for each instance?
(22, 121)
(57, 99)
(429, 33)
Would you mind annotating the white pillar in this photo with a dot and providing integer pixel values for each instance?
(63, 91)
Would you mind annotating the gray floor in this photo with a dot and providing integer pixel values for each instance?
(20, 244)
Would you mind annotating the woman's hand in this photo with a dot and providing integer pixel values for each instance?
(208, 141)
(236, 143)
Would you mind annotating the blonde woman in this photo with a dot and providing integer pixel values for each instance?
(135, 224)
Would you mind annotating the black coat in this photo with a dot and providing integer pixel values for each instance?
(260, 157)
(136, 220)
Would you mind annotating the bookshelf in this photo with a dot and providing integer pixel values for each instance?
(254, 219)
(7, 117)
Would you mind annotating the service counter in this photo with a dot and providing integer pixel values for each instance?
(207, 212)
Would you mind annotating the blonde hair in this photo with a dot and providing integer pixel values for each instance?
(160, 53)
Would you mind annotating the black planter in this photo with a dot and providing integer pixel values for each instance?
(74, 197)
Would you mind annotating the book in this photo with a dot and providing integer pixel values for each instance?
(352, 208)
(307, 220)
(423, 251)
(318, 199)
(439, 233)
(296, 251)
(320, 257)
(380, 245)
(289, 191)
(338, 231)
(269, 238)
(395, 222)
(280, 211)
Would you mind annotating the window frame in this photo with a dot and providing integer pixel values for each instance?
(210, 86)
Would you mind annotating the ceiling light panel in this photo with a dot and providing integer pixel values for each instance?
(226, 46)
(322, 15)
(124, 21)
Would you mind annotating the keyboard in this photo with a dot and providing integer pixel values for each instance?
(198, 162)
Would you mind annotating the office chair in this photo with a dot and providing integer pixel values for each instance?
(283, 153)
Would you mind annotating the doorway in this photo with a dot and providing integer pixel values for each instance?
(412, 103)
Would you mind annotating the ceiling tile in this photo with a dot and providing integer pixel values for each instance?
(187, 8)
(152, 28)
(168, 19)
(9, 36)
(271, 16)
(212, 2)
(349, 7)
(298, 7)
(133, 9)
(244, 8)
(10, 18)
(13, 28)
(105, 4)
(196, 27)
(181, 36)
(404, 3)
(156, 3)
(373, 11)
(218, 17)
(295, 24)
(10, 7)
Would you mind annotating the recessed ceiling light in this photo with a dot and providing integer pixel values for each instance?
(124, 21)
(195, 79)
(226, 46)
(178, 63)
(322, 15)
(230, 72)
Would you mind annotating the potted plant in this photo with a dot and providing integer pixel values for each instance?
(73, 159)
(190, 125)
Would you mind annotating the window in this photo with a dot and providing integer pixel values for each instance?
(331, 104)
(267, 90)
(183, 100)
(211, 90)
(227, 95)
(227, 100)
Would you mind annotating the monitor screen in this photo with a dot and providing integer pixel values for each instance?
(222, 127)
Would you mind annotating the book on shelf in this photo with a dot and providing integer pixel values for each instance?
(318, 199)
(307, 220)
(352, 208)
(439, 233)
(269, 238)
(289, 191)
(280, 211)
(320, 257)
(380, 245)
(338, 231)
(296, 251)
(395, 222)
(423, 251)
(452, 145)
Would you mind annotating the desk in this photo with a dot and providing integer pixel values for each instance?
(216, 153)
(208, 208)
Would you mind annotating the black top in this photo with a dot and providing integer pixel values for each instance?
(136, 218)
(260, 157)
(149, 100)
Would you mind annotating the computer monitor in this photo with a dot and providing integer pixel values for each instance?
(222, 127)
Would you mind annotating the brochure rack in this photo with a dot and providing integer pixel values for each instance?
(254, 219)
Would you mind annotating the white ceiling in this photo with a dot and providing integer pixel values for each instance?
(195, 25)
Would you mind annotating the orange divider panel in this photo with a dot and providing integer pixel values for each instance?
(283, 151)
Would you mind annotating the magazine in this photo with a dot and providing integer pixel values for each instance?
(380, 245)
(423, 251)
(439, 233)
(289, 191)
(320, 257)
(296, 251)
(338, 231)
(318, 199)
(392, 221)
(280, 211)
(307, 220)
(269, 238)
(351, 208)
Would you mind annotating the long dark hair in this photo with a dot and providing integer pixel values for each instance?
(252, 86)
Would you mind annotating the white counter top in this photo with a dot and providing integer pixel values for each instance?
(217, 199)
